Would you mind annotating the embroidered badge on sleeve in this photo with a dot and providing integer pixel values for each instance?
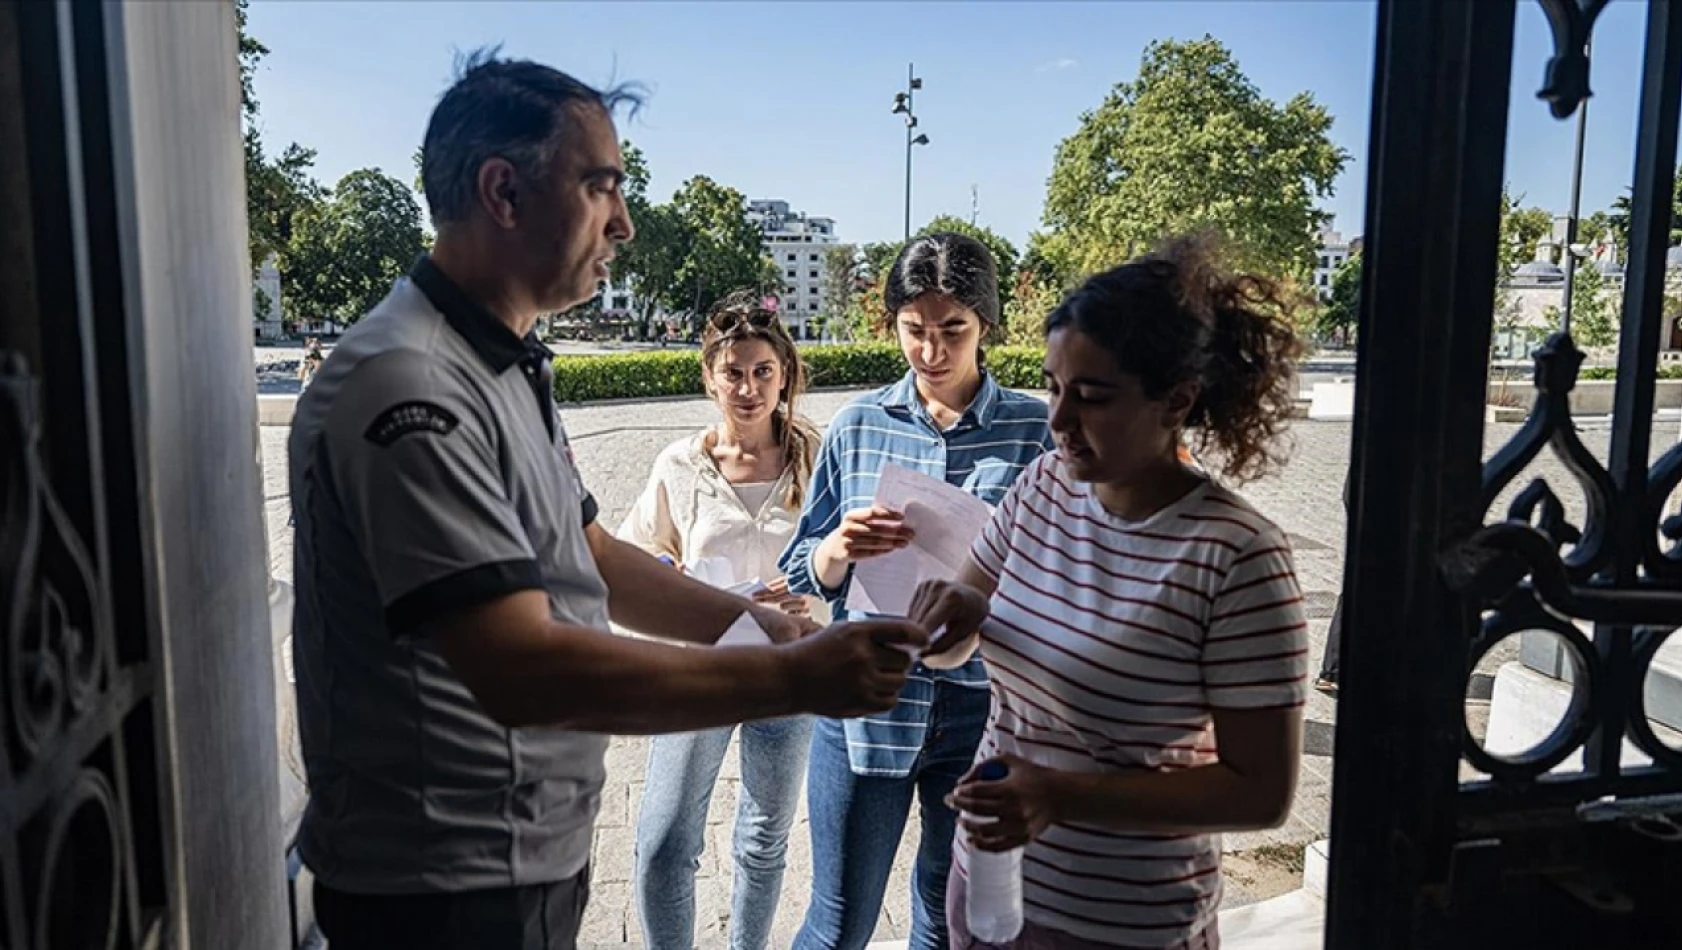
(409, 417)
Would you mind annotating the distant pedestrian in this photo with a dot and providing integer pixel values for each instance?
(310, 364)
(1326, 682)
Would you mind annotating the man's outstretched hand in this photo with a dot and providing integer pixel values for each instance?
(852, 669)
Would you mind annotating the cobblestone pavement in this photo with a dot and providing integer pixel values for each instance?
(616, 444)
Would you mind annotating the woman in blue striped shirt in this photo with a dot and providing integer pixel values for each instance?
(949, 419)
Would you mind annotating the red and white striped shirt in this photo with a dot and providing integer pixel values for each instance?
(1109, 644)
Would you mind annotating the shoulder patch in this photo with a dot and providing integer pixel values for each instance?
(409, 417)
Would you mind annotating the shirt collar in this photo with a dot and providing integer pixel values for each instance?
(903, 395)
(490, 337)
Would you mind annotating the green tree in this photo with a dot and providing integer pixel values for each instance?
(649, 263)
(726, 252)
(276, 190)
(1342, 312)
(1618, 216)
(251, 52)
(1031, 299)
(345, 252)
(1192, 144)
(864, 320)
(841, 270)
(1593, 310)
(877, 257)
(1521, 230)
(1048, 260)
(260, 302)
(1595, 228)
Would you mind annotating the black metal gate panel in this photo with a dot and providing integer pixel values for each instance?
(1527, 855)
(83, 757)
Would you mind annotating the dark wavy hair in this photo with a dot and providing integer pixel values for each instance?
(1176, 315)
(955, 265)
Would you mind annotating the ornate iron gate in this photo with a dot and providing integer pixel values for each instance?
(84, 781)
(1525, 857)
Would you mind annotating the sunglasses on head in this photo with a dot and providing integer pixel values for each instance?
(729, 319)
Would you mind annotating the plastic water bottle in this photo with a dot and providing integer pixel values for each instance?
(993, 903)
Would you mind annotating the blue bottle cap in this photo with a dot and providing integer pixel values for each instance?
(992, 770)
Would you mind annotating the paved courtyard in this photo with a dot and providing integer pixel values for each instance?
(615, 446)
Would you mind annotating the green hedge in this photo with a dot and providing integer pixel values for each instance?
(678, 372)
(1667, 371)
(1018, 367)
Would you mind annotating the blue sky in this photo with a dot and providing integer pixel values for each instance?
(791, 100)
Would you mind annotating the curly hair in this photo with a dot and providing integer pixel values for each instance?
(1175, 315)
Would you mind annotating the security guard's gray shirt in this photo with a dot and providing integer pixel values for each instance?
(429, 472)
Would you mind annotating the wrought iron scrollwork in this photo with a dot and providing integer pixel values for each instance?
(1515, 570)
(1500, 556)
(1536, 571)
(1521, 611)
(77, 894)
(55, 632)
(1662, 481)
(1550, 424)
(1566, 82)
(55, 676)
(1644, 649)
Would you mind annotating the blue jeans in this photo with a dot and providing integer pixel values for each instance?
(858, 820)
(671, 828)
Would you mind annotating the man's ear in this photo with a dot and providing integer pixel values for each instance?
(499, 191)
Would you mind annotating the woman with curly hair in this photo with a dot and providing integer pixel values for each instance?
(1141, 623)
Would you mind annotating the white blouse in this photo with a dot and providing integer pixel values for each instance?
(690, 511)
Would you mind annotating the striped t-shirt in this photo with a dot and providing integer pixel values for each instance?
(1109, 644)
(982, 453)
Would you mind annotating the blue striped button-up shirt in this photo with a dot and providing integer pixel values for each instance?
(982, 453)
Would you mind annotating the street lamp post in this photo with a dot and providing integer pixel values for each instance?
(1571, 247)
(903, 103)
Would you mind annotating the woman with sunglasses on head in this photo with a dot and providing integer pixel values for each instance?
(949, 419)
(730, 493)
(1143, 626)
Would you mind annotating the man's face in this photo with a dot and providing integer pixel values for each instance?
(578, 217)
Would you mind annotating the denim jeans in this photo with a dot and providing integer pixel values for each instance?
(671, 828)
(858, 821)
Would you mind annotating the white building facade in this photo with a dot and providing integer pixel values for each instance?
(1529, 303)
(797, 243)
(1331, 254)
(265, 303)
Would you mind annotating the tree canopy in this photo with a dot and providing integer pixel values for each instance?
(1192, 144)
(347, 250)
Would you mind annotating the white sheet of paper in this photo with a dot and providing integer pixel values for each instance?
(945, 520)
(748, 588)
(744, 632)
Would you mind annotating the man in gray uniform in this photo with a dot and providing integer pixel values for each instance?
(456, 676)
